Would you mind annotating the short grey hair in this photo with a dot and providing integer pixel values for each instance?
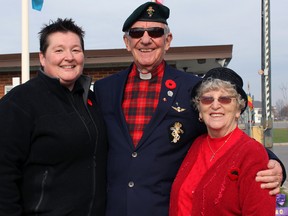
(217, 84)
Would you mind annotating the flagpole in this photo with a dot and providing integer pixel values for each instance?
(249, 113)
(250, 122)
(25, 70)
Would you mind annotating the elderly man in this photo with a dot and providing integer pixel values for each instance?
(149, 119)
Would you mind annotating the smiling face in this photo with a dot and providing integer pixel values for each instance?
(219, 118)
(148, 52)
(64, 58)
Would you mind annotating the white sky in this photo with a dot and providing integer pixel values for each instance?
(192, 22)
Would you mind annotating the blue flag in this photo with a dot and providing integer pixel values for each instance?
(37, 4)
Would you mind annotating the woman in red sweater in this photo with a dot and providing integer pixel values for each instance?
(217, 177)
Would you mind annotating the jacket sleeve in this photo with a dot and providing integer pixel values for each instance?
(254, 199)
(15, 131)
(272, 156)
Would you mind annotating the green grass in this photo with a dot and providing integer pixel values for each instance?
(280, 135)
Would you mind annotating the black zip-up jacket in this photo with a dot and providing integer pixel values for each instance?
(52, 150)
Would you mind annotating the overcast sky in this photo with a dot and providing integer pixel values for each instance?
(192, 22)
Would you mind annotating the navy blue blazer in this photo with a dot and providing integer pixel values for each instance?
(139, 179)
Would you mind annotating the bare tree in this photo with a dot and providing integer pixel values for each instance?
(284, 111)
(279, 106)
(284, 90)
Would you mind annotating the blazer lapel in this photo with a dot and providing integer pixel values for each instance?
(166, 101)
(119, 97)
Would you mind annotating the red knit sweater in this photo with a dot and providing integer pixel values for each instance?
(227, 186)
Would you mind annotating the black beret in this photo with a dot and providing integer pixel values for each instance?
(224, 74)
(149, 11)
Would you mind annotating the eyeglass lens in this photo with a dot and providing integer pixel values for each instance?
(221, 99)
(154, 32)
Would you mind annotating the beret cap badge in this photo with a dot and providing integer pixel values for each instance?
(150, 11)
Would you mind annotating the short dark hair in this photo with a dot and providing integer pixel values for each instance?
(60, 25)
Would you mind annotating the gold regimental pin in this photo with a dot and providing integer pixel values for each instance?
(176, 131)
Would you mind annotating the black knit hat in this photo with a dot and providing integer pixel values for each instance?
(224, 74)
(149, 11)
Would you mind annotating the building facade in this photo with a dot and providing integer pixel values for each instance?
(101, 63)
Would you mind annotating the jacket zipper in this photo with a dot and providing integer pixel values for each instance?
(94, 161)
(45, 174)
(94, 153)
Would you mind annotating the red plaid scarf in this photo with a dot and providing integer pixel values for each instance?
(140, 100)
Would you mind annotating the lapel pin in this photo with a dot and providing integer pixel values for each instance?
(178, 109)
(170, 93)
(176, 132)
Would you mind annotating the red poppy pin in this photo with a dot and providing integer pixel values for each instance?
(89, 102)
(233, 173)
(170, 84)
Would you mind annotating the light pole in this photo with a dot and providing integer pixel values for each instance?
(267, 122)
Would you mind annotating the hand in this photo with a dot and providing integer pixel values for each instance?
(271, 178)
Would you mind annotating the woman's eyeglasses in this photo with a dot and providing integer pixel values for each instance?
(154, 32)
(221, 99)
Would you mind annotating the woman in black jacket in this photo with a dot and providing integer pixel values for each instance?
(52, 137)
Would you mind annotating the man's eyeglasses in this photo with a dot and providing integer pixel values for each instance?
(154, 32)
(222, 99)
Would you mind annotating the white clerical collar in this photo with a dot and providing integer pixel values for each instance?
(144, 76)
